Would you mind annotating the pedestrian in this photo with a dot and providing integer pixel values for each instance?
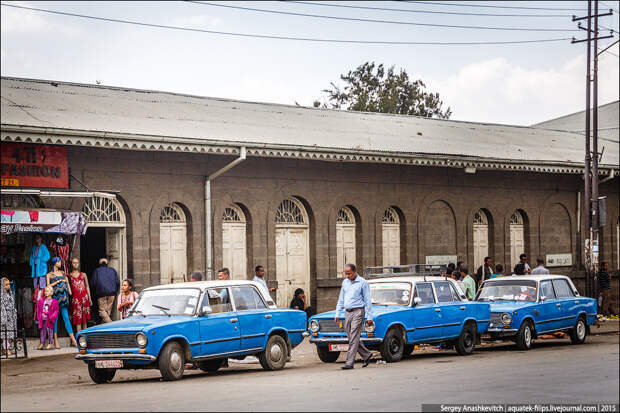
(356, 300)
(299, 303)
(259, 277)
(223, 274)
(604, 284)
(106, 284)
(57, 278)
(8, 317)
(450, 269)
(519, 269)
(469, 283)
(498, 271)
(540, 267)
(81, 300)
(39, 256)
(126, 298)
(484, 272)
(526, 266)
(47, 314)
(196, 276)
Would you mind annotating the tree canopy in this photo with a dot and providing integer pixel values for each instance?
(372, 88)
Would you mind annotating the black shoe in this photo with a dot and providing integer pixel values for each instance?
(366, 362)
(345, 367)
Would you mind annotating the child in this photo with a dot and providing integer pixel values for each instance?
(47, 313)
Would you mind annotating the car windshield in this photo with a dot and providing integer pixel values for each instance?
(170, 301)
(508, 290)
(396, 293)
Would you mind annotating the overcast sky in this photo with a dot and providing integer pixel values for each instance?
(515, 84)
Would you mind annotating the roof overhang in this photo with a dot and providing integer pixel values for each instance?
(114, 140)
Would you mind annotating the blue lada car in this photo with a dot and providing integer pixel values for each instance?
(407, 311)
(203, 323)
(523, 307)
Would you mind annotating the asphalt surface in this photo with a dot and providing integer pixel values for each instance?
(552, 371)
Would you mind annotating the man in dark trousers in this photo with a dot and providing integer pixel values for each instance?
(106, 284)
(484, 272)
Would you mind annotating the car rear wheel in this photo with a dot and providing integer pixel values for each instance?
(172, 361)
(275, 354)
(524, 336)
(100, 376)
(466, 341)
(578, 333)
(211, 366)
(393, 346)
(327, 356)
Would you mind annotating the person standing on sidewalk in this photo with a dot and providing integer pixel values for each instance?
(8, 317)
(604, 284)
(469, 283)
(259, 277)
(107, 285)
(355, 299)
(484, 272)
(540, 267)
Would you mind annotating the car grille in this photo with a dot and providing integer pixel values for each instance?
(496, 320)
(330, 326)
(118, 340)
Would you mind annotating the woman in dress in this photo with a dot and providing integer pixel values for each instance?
(81, 299)
(8, 317)
(126, 298)
(62, 290)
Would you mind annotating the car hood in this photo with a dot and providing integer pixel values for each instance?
(507, 306)
(137, 323)
(377, 310)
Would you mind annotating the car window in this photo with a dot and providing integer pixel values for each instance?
(546, 290)
(425, 292)
(562, 289)
(218, 299)
(443, 291)
(247, 298)
(455, 295)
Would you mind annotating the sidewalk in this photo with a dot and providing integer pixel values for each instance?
(33, 343)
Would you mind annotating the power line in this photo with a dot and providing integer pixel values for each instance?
(485, 5)
(423, 11)
(262, 36)
(378, 21)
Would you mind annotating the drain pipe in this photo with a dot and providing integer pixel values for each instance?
(208, 218)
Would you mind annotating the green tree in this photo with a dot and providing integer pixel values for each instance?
(371, 88)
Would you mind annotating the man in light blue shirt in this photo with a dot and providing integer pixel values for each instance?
(356, 301)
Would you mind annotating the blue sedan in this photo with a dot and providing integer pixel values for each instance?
(524, 307)
(203, 323)
(407, 311)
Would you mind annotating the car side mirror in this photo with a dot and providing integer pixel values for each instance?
(206, 309)
(543, 298)
(416, 301)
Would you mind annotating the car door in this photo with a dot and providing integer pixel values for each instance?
(255, 319)
(452, 309)
(568, 307)
(426, 317)
(219, 328)
(548, 309)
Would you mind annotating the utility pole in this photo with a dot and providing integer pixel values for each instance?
(590, 174)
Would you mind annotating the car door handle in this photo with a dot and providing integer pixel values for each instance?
(576, 302)
(462, 307)
(234, 320)
(438, 309)
(558, 304)
(267, 316)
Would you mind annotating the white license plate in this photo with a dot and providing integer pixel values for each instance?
(338, 347)
(108, 364)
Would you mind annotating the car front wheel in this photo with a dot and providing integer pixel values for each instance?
(275, 354)
(327, 356)
(393, 346)
(524, 336)
(172, 361)
(578, 333)
(465, 343)
(100, 376)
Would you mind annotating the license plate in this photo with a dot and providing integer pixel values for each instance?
(485, 336)
(108, 364)
(338, 347)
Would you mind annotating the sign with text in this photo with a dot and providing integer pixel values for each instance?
(440, 259)
(559, 260)
(34, 166)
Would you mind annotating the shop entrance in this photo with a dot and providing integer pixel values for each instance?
(92, 248)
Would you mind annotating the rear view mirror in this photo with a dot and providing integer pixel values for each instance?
(206, 309)
(416, 301)
(543, 298)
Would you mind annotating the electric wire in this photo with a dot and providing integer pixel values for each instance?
(355, 19)
(486, 5)
(274, 37)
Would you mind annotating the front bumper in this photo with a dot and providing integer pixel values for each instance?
(502, 332)
(345, 340)
(112, 356)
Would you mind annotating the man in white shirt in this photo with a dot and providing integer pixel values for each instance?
(540, 267)
(259, 277)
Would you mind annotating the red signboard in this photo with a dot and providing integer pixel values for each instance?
(34, 166)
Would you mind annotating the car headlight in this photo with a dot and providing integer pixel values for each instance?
(82, 342)
(141, 339)
(506, 319)
(314, 326)
(370, 328)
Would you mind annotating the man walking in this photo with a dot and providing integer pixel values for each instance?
(484, 272)
(355, 299)
(107, 284)
(469, 283)
(540, 267)
(604, 284)
(223, 274)
(526, 266)
(195, 277)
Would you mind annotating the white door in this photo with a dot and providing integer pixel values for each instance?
(292, 264)
(391, 244)
(234, 249)
(517, 244)
(481, 244)
(345, 246)
(173, 253)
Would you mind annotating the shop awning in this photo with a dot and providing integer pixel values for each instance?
(14, 221)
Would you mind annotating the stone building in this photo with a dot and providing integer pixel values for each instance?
(311, 189)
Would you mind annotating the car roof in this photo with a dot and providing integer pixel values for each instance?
(532, 277)
(412, 278)
(205, 284)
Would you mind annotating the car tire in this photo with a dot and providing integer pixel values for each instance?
(524, 336)
(393, 346)
(408, 350)
(578, 332)
(211, 366)
(172, 361)
(100, 376)
(327, 356)
(275, 354)
(466, 341)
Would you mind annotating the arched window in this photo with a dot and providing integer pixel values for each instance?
(480, 218)
(172, 213)
(345, 239)
(516, 218)
(234, 244)
(390, 228)
(233, 214)
(101, 211)
(290, 212)
(390, 217)
(345, 216)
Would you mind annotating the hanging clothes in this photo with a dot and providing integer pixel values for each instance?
(39, 256)
(61, 250)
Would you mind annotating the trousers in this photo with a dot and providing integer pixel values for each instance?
(105, 308)
(64, 312)
(39, 281)
(353, 323)
(47, 334)
(606, 302)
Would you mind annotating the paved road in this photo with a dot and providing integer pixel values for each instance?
(553, 371)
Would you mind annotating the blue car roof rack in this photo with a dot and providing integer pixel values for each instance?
(406, 270)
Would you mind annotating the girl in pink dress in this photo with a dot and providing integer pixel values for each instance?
(80, 301)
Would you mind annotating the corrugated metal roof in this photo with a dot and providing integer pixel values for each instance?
(102, 109)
